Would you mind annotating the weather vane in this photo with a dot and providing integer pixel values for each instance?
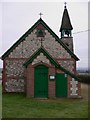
(65, 4)
(40, 14)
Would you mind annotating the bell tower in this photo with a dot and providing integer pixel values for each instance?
(66, 29)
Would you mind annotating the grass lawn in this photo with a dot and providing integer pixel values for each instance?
(18, 106)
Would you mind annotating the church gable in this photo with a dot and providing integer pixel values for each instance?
(41, 58)
(31, 42)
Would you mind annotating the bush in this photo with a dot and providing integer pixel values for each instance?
(84, 78)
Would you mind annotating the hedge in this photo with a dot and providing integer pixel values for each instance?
(85, 78)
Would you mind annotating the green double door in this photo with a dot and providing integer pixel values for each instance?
(41, 82)
(61, 85)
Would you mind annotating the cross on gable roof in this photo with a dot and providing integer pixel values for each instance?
(40, 14)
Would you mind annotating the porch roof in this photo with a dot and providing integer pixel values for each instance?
(42, 50)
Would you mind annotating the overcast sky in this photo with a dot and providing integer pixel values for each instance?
(18, 17)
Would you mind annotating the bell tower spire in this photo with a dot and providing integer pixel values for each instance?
(66, 29)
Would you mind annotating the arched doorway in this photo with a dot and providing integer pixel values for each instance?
(41, 81)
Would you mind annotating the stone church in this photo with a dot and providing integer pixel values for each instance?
(41, 64)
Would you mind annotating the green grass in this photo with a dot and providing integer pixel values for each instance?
(18, 106)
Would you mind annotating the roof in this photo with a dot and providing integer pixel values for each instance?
(40, 21)
(42, 50)
(66, 24)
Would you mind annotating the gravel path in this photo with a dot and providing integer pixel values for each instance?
(84, 90)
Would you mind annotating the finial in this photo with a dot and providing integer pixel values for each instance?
(40, 14)
(65, 5)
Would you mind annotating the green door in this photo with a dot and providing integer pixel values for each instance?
(61, 85)
(41, 82)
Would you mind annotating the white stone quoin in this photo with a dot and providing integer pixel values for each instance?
(74, 87)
